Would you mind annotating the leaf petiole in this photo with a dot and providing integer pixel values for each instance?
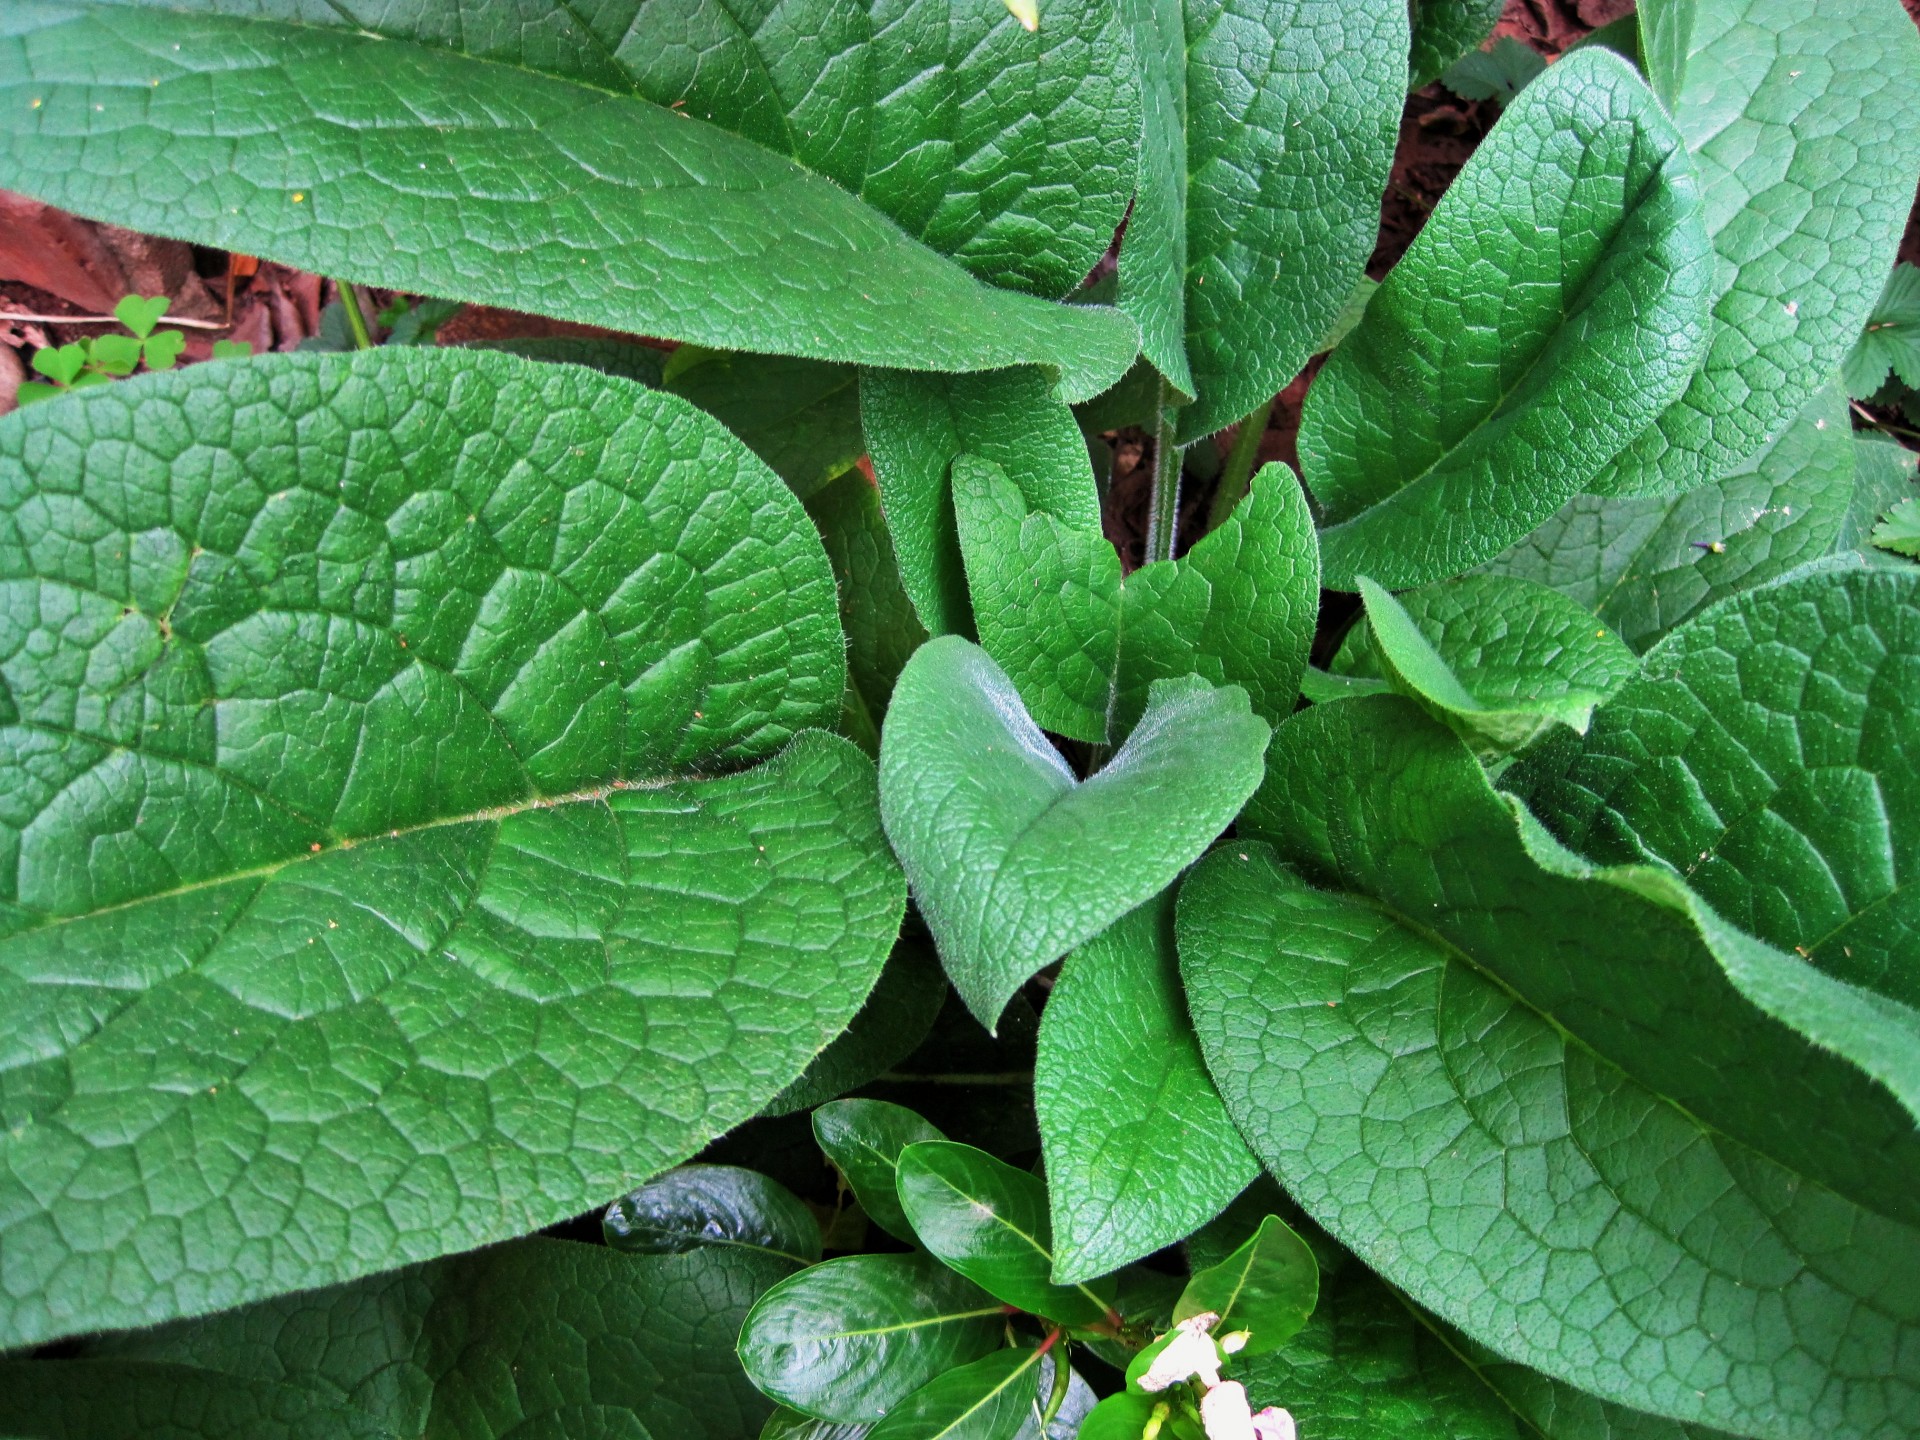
(356, 317)
(1163, 508)
(1237, 474)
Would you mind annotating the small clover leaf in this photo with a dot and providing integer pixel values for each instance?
(141, 313)
(161, 351)
(116, 355)
(62, 365)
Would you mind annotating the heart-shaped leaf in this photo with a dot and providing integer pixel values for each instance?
(1702, 1121)
(1267, 1288)
(986, 1400)
(504, 169)
(1083, 644)
(1769, 751)
(989, 1221)
(434, 650)
(848, 1340)
(1500, 366)
(863, 1139)
(1012, 862)
(140, 314)
(162, 351)
(60, 365)
(1802, 239)
(717, 1205)
(1139, 1149)
(533, 1335)
(1644, 564)
(115, 355)
(1500, 660)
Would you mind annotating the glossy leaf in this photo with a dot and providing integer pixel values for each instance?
(1012, 861)
(1519, 1086)
(1645, 564)
(1770, 753)
(1502, 364)
(1267, 1288)
(696, 1206)
(890, 1026)
(863, 1139)
(988, 1221)
(800, 416)
(535, 1336)
(510, 176)
(431, 634)
(1797, 122)
(917, 425)
(1270, 128)
(848, 1340)
(1084, 645)
(785, 1424)
(1444, 30)
(982, 1401)
(1139, 1149)
(1499, 660)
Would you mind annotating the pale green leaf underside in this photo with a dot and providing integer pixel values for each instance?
(1645, 564)
(1139, 1150)
(1012, 862)
(354, 919)
(519, 1338)
(1770, 753)
(1499, 660)
(1083, 644)
(406, 164)
(1567, 1109)
(1552, 306)
(1799, 122)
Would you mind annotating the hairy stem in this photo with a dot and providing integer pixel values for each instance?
(1163, 515)
(1237, 473)
(356, 317)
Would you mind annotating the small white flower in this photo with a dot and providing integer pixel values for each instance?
(1235, 1342)
(1273, 1423)
(1224, 1411)
(1192, 1352)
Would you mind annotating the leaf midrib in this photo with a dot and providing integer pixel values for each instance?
(1038, 1249)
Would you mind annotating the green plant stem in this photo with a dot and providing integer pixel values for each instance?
(1062, 1377)
(1163, 513)
(356, 317)
(1237, 473)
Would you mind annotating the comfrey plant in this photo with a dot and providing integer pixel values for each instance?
(443, 790)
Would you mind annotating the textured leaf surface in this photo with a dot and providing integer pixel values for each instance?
(1444, 30)
(1083, 645)
(507, 177)
(1770, 753)
(1553, 305)
(890, 1026)
(1891, 340)
(540, 1336)
(1797, 119)
(1883, 476)
(1899, 532)
(863, 1139)
(800, 416)
(917, 425)
(983, 1401)
(1012, 862)
(848, 1340)
(693, 1206)
(1497, 659)
(1569, 1110)
(1140, 1152)
(352, 916)
(1645, 564)
(989, 1221)
(1267, 1288)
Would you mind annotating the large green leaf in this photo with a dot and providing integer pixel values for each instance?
(692, 1206)
(989, 1221)
(540, 1336)
(1084, 644)
(527, 174)
(1770, 753)
(1799, 122)
(1498, 659)
(1570, 1110)
(1269, 131)
(354, 912)
(1140, 1152)
(863, 1139)
(1645, 564)
(899, 1012)
(1554, 304)
(918, 425)
(848, 1340)
(1012, 861)
(800, 416)
(1265, 1289)
(1444, 30)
